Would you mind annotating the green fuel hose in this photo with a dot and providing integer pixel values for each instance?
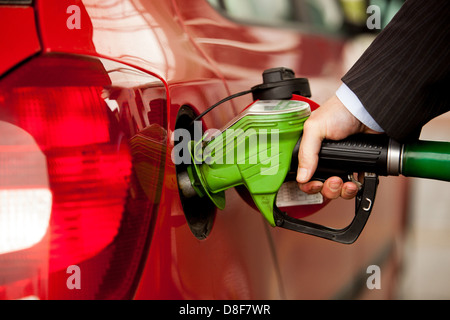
(426, 159)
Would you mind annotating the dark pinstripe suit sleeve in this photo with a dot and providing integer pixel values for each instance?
(403, 78)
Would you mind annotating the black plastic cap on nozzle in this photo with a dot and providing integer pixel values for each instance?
(277, 74)
(280, 84)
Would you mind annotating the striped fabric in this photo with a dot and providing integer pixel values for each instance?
(403, 78)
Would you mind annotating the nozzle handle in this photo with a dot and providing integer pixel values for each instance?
(357, 153)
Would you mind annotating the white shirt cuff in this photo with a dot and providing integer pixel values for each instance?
(354, 105)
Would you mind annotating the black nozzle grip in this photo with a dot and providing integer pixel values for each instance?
(357, 153)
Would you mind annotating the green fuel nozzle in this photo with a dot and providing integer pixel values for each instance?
(254, 150)
(258, 149)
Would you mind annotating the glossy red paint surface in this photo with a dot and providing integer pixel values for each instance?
(203, 57)
(19, 27)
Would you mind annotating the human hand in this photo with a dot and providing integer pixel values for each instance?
(334, 122)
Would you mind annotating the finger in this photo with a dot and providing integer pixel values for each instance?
(332, 188)
(311, 187)
(349, 190)
(308, 155)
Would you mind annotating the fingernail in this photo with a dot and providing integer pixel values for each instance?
(335, 185)
(302, 175)
(351, 190)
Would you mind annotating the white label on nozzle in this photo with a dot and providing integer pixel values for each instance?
(290, 195)
(278, 106)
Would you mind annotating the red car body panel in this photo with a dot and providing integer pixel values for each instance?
(202, 57)
(21, 25)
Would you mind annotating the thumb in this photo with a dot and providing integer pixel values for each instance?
(308, 155)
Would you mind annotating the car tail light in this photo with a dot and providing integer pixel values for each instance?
(82, 153)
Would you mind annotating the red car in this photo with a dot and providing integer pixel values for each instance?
(90, 95)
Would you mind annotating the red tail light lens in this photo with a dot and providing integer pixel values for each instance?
(82, 151)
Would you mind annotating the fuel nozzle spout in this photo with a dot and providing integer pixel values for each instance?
(186, 185)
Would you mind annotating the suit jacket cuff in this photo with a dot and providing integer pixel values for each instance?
(355, 107)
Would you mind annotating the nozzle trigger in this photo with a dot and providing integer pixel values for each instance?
(363, 207)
